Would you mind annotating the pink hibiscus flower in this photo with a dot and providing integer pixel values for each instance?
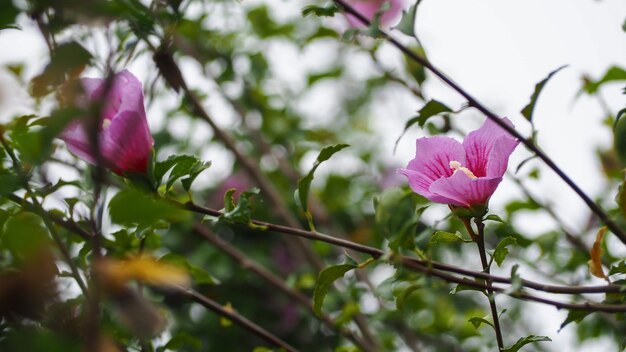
(463, 175)
(368, 8)
(125, 139)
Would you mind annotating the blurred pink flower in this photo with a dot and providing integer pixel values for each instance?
(368, 8)
(463, 175)
(125, 140)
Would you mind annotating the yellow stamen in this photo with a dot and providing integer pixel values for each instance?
(456, 166)
(105, 124)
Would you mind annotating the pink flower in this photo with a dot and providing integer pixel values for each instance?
(463, 175)
(125, 139)
(368, 8)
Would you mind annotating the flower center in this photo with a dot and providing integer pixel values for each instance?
(456, 166)
(106, 123)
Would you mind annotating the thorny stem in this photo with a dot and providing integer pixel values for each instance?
(472, 101)
(480, 241)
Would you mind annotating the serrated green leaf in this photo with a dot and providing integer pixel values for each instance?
(304, 184)
(525, 341)
(500, 253)
(527, 111)
(613, 74)
(242, 212)
(430, 109)
(444, 237)
(325, 279)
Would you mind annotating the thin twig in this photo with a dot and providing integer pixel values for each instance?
(472, 101)
(250, 264)
(235, 318)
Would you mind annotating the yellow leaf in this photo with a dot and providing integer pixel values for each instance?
(595, 263)
(225, 322)
(116, 273)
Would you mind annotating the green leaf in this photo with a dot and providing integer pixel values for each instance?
(613, 74)
(494, 217)
(69, 59)
(574, 316)
(9, 183)
(525, 341)
(619, 136)
(304, 184)
(443, 237)
(478, 321)
(432, 108)
(501, 251)
(187, 166)
(527, 111)
(325, 279)
(181, 342)
(8, 14)
(242, 212)
(407, 23)
(199, 275)
(397, 217)
(320, 11)
(620, 268)
(131, 207)
(24, 234)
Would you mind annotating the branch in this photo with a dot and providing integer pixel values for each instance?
(271, 278)
(236, 318)
(595, 208)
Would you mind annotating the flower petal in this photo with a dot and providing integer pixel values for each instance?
(126, 144)
(488, 149)
(77, 141)
(368, 8)
(464, 191)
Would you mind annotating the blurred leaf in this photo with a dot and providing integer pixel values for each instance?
(613, 74)
(131, 207)
(325, 279)
(320, 11)
(242, 212)
(304, 184)
(116, 273)
(620, 268)
(24, 235)
(181, 341)
(198, 275)
(443, 237)
(595, 263)
(398, 217)
(501, 251)
(8, 14)
(68, 60)
(619, 136)
(432, 108)
(9, 183)
(407, 23)
(225, 322)
(264, 26)
(478, 321)
(527, 111)
(574, 316)
(525, 341)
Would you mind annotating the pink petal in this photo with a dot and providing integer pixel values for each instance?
(368, 8)
(432, 162)
(126, 144)
(464, 191)
(488, 149)
(77, 141)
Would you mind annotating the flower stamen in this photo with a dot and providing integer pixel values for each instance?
(456, 166)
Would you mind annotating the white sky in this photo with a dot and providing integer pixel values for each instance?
(498, 50)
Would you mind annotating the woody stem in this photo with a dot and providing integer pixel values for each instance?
(479, 238)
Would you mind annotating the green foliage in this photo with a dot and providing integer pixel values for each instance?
(443, 237)
(430, 109)
(325, 279)
(183, 167)
(130, 207)
(69, 60)
(528, 110)
(613, 74)
(24, 235)
(8, 14)
(501, 251)
(619, 137)
(407, 23)
(398, 217)
(320, 11)
(525, 341)
(304, 184)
